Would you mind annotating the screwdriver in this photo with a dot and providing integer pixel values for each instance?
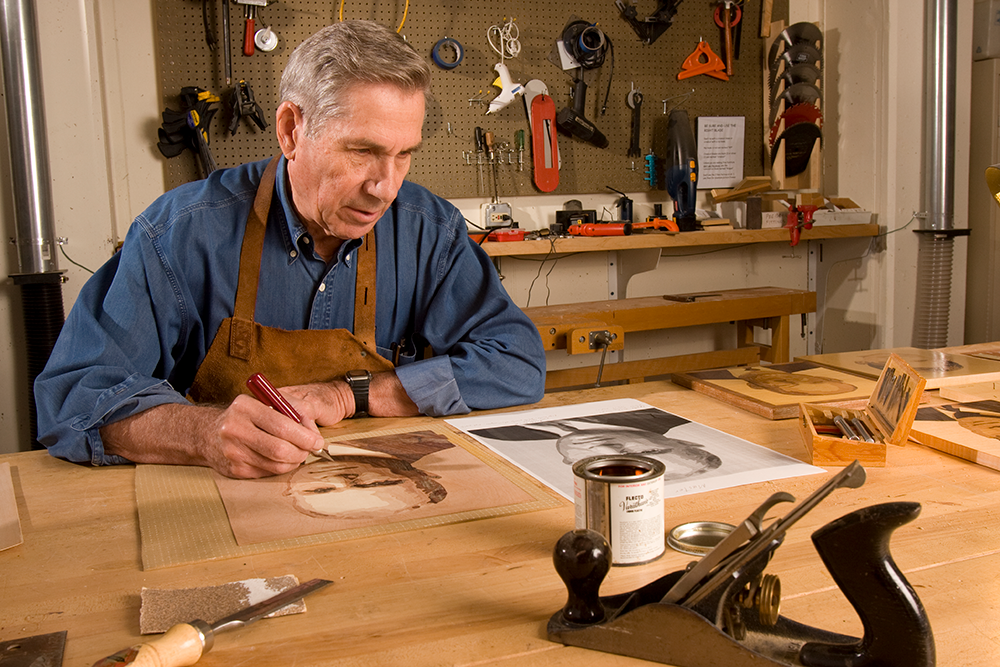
(493, 163)
(480, 147)
(519, 140)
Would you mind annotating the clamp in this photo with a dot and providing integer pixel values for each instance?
(244, 105)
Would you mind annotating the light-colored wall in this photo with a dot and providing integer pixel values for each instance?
(102, 111)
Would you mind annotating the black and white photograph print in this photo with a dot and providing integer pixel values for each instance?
(547, 442)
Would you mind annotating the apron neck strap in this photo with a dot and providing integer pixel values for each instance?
(253, 246)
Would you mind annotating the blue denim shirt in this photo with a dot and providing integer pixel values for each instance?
(143, 323)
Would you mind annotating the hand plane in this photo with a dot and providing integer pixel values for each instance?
(724, 609)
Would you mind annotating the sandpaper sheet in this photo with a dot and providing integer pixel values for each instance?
(182, 518)
(162, 608)
(10, 522)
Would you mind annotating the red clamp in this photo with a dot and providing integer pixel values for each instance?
(794, 225)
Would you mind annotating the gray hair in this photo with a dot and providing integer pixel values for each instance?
(322, 70)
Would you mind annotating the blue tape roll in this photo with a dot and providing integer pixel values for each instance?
(453, 43)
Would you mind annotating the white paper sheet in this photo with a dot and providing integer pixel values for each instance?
(546, 442)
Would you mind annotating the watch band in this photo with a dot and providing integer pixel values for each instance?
(359, 382)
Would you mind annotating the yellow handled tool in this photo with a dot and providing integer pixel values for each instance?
(185, 643)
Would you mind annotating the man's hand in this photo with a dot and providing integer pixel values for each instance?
(247, 439)
(327, 403)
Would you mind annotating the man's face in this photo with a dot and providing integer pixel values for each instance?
(345, 177)
(611, 440)
(352, 489)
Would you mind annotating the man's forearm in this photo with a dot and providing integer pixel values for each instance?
(168, 434)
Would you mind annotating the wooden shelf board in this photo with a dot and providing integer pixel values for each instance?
(576, 244)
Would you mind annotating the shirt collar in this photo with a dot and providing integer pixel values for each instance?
(296, 230)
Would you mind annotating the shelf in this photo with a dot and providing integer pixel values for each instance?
(573, 244)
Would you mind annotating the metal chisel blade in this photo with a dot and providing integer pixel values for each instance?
(272, 604)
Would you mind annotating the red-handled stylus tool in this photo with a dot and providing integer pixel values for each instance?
(268, 395)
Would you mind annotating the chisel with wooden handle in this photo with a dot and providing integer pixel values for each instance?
(185, 643)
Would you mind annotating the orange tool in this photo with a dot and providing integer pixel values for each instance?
(544, 149)
(712, 65)
(727, 17)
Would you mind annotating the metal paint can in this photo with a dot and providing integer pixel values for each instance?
(621, 497)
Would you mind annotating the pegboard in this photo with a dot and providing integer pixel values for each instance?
(446, 163)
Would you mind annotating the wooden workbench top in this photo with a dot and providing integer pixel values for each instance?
(480, 592)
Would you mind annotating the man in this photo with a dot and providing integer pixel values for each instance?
(279, 267)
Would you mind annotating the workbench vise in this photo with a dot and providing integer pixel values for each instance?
(724, 610)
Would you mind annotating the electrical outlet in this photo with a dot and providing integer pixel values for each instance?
(496, 214)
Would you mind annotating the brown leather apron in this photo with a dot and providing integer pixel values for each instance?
(242, 347)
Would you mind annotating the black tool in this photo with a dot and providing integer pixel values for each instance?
(227, 47)
(589, 46)
(634, 101)
(480, 153)
(682, 173)
(243, 105)
(574, 122)
(651, 27)
(187, 128)
(736, 622)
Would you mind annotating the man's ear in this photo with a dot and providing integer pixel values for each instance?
(289, 125)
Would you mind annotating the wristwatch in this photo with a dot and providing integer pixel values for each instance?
(359, 381)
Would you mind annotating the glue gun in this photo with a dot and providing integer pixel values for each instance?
(508, 89)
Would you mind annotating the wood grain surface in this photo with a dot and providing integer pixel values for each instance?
(480, 592)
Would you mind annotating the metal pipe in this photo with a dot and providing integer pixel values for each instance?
(939, 119)
(39, 279)
(937, 225)
(33, 214)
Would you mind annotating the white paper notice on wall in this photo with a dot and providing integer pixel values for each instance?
(720, 151)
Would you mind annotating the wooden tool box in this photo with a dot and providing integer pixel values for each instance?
(888, 416)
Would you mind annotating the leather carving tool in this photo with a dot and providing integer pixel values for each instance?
(185, 643)
(544, 143)
(268, 395)
(36, 651)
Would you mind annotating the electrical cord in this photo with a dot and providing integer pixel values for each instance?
(70, 260)
(406, 10)
(507, 35)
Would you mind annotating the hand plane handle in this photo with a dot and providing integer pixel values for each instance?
(855, 549)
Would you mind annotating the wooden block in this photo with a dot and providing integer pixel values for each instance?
(747, 186)
(10, 522)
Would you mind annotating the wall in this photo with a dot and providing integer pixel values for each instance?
(102, 111)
